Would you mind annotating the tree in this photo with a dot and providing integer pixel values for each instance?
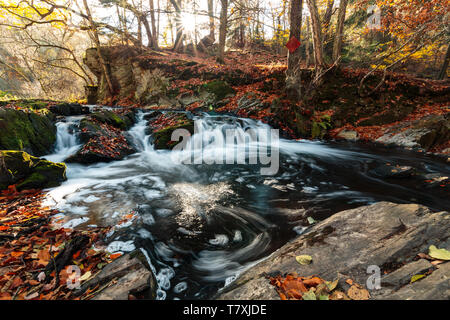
(317, 35)
(211, 19)
(337, 45)
(95, 37)
(178, 45)
(444, 68)
(293, 80)
(222, 30)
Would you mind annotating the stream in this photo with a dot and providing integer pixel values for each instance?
(201, 225)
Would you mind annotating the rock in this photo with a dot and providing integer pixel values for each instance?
(152, 85)
(69, 109)
(348, 135)
(390, 171)
(32, 132)
(218, 89)
(424, 133)
(28, 172)
(162, 134)
(102, 143)
(384, 234)
(435, 286)
(402, 276)
(121, 121)
(103, 139)
(121, 70)
(132, 274)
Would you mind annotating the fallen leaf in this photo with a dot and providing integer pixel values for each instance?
(440, 254)
(85, 276)
(16, 254)
(310, 295)
(332, 285)
(417, 277)
(356, 293)
(339, 295)
(311, 220)
(304, 259)
(115, 256)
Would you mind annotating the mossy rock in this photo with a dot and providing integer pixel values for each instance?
(33, 104)
(162, 138)
(123, 122)
(28, 172)
(32, 132)
(220, 89)
(69, 109)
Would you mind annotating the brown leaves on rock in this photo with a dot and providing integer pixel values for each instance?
(293, 287)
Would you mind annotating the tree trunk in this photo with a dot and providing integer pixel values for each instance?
(97, 45)
(147, 30)
(443, 72)
(316, 34)
(153, 21)
(222, 31)
(211, 19)
(326, 21)
(308, 41)
(337, 45)
(293, 80)
(178, 24)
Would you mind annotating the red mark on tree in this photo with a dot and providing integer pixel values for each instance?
(292, 44)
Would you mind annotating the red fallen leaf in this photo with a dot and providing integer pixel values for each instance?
(3, 228)
(76, 254)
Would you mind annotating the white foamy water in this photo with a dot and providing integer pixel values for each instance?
(201, 225)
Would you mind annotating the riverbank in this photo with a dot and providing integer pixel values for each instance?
(196, 223)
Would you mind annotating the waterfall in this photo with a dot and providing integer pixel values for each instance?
(66, 139)
(138, 134)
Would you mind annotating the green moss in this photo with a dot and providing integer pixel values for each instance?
(32, 132)
(219, 88)
(34, 181)
(28, 172)
(122, 122)
(162, 138)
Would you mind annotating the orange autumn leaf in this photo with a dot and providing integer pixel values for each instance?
(313, 282)
(2, 228)
(17, 254)
(115, 256)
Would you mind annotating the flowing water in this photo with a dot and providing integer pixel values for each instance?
(201, 225)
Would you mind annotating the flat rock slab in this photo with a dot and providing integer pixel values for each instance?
(128, 275)
(384, 234)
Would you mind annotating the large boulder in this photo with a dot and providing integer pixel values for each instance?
(28, 172)
(386, 235)
(33, 132)
(103, 138)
